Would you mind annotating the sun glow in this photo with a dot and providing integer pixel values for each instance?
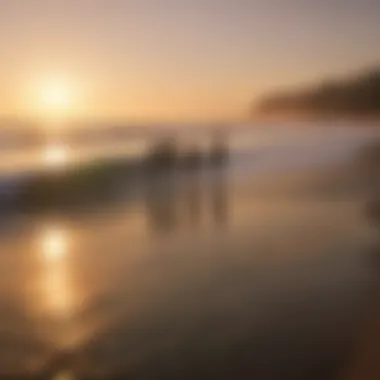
(55, 156)
(54, 97)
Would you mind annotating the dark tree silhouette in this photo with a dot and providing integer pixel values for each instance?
(358, 96)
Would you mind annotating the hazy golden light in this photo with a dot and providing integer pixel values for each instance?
(54, 244)
(57, 291)
(65, 375)
(54, 97)
(55, 156)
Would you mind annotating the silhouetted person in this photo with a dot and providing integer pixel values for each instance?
(219, 196)
(192, 159)
(219, 150)
(162, 156)
(160, 186)
(192, 197)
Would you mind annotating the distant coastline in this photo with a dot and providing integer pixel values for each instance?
(356, 97)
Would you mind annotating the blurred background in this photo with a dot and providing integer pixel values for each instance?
(189, 189)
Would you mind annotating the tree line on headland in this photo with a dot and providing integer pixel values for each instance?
(357, 96)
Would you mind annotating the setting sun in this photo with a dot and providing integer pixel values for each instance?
(56, 96)
(53, 97)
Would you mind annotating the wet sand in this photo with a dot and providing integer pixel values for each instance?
(269, 276)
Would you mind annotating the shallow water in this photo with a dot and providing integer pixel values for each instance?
(280, 146)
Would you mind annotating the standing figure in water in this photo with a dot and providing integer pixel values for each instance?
(219, 193)
(219, 149)
(160, 165)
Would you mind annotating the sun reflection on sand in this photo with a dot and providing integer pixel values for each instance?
(64, 376)
(54, 244)
(56, 277)
(57, 293)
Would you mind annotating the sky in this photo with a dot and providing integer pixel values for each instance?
(176, 60)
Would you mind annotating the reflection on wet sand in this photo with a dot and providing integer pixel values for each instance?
(192, 199)
(219, 197)
(185, 201)
(275, 299)
(56, 288)
(55, 156)
(161, 204)
(365, 362)
(54, 242)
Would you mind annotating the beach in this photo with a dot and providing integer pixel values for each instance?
(263, 268)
